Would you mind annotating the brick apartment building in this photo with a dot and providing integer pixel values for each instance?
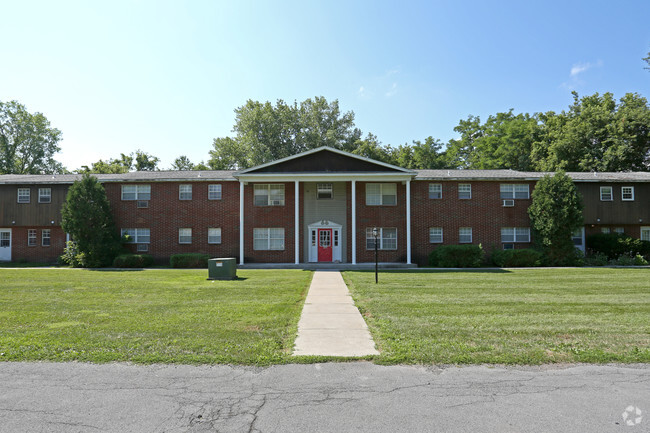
(318, 206)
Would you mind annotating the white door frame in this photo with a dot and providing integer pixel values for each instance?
(313, 239)
(5, 252)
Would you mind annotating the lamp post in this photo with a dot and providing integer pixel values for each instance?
(375, 234)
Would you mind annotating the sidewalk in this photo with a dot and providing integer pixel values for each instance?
(330, 324)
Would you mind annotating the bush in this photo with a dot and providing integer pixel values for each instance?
(614, 245)
(624, 260)
(456, 256)
(133, 261)
(517, 258)
(189, 260)
(598, 259)
(72, 257)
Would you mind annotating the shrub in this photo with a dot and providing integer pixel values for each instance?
(133, 261)
(456, 256)
(624, 260)
(614, 245)
(72, 257)
(598, 259)
(189, 260)
(517, 258)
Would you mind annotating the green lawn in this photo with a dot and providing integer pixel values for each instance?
(508, 316)
(159, 315)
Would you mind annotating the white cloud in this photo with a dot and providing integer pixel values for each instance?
(580, 68)
(576, 70)
(392, 91)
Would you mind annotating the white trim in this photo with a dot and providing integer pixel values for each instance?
(296, 222)
(330, 149)
(611, 191)
(623, 195)
(408, 222)
(641, 230)
(325, 177)
(5, 252)
(354, 222)
(241, 223)
(337, 229)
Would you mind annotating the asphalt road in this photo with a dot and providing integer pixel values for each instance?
(345, 397)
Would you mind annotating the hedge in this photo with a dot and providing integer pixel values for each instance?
(456, 256)
(189, 260)
(133, 261)
(614, 245)
(517, 258)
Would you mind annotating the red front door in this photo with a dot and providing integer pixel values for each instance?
(324, 245)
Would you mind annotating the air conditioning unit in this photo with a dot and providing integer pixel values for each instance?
(143, 248)
(276, 202)
(143, 204)
(508, 203)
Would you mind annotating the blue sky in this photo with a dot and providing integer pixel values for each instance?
(165, 76)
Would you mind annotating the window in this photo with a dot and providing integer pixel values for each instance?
(606, 193)
(137, 236)
(45, 237)
(465, 191)
(645, 233)
(269, 195)
(31, 237)
(435, 235)
(435, 190)
(5, 239)
(577, 238)
(627, 193)
(515, 234)
(387, 239)
(23, 195)
(619, 230)
(604, 230)
(214, 192)
(45, 195)
(184, 236)
(324, 191)
(185, 192)
(268, 239)
(508, 246)
(381, 194)
(214, 236)
(513, 191)
(136, 192)
(465, 235)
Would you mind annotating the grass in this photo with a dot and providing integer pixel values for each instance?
(525, 316)
(162, 316)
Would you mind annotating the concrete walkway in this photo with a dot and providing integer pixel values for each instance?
(330, 324)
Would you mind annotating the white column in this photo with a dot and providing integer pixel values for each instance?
(354, 222)
(408, 222)
(241, 222)
(297, 222)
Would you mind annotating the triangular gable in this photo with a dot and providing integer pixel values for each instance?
(325, 160)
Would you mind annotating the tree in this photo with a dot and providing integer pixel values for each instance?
(145, 162)
(86, 216)
(555, 213)
(27, 142)
(647, 60)
(138, 161)
(183, 163)
(266, 132)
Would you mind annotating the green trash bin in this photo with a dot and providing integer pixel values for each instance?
(222, 269)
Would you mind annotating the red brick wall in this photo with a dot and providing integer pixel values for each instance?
(381, 216)
(21, 252)
(269, 217)
(167, 213)
(484, 213)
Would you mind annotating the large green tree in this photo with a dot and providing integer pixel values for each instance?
(138, 161)
(266, 132)
(27, 141)
(86, 216)
(555, 213)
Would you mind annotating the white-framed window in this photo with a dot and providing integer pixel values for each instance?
(214, 235)
(515, 234)
(387, 238)
(268, 239)
(31, 237)
(605, 230)
(324, 191)
(138, 236)
(576, 236)
(619, 230)
(464, 191)
(435, 190)
(45, 237)
(45, 195)
(606, 193)
(627, 193)
(23, 195)
(269, 194)
(381, 194)
(435, 235)
(645, 233)
(465, 235)
(185, 191)
(185, 236)
(515, 191)
(214, 191)
(136, 192)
